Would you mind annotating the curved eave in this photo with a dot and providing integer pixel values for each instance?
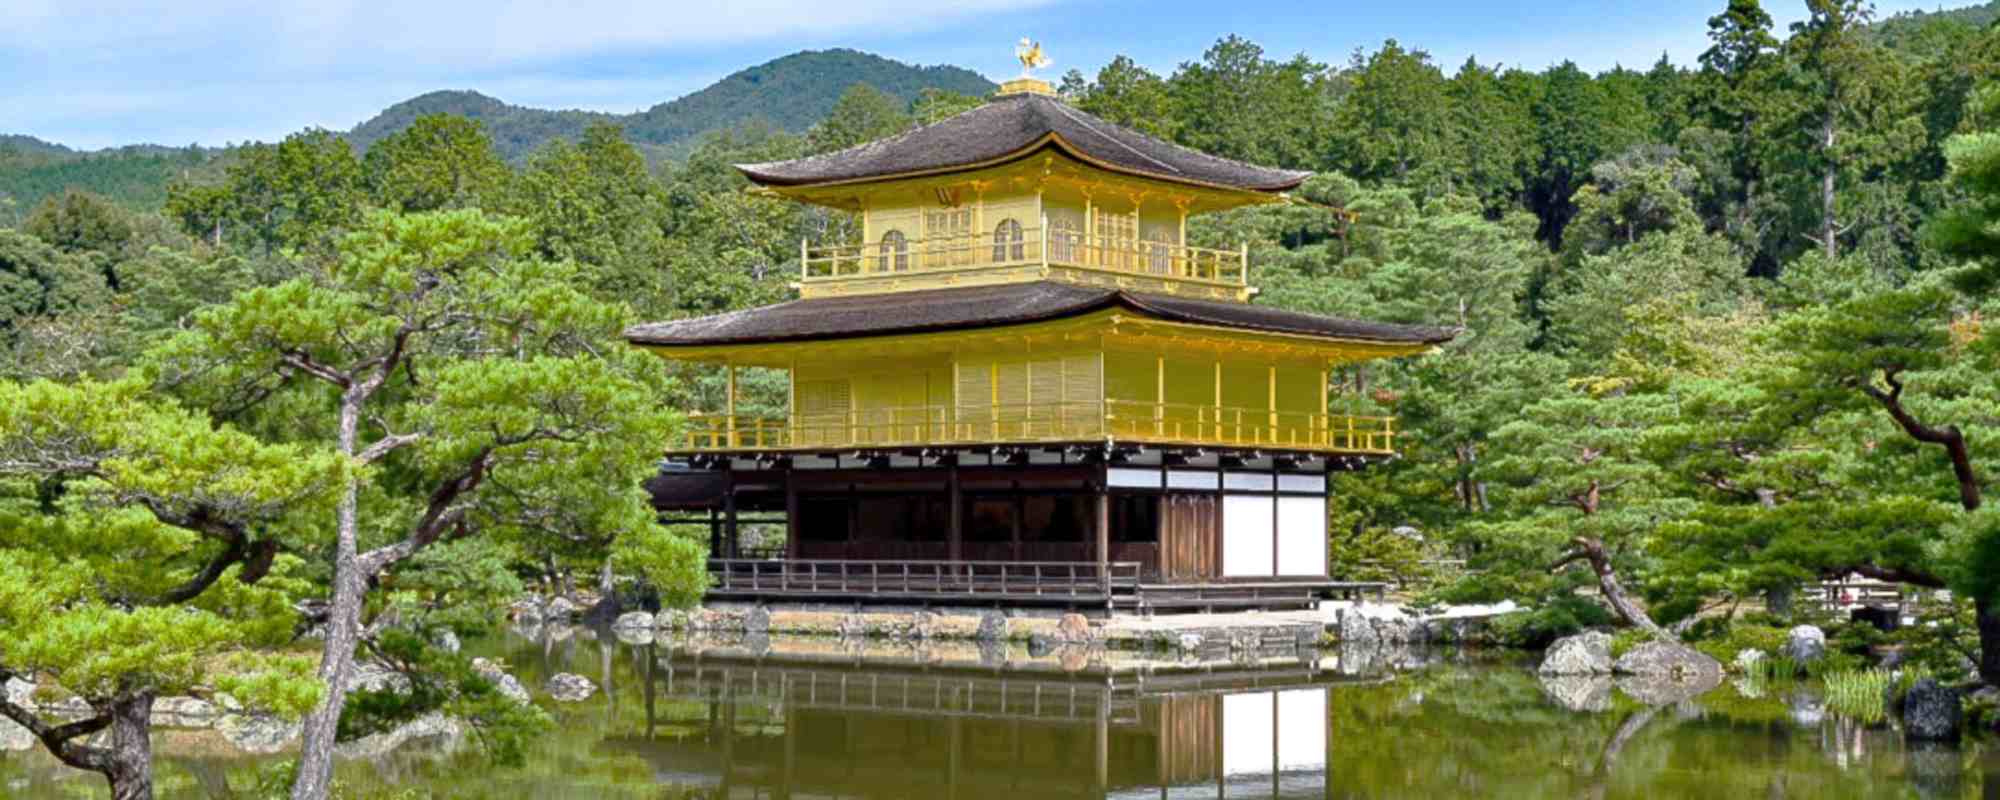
(1267, 193)
(1119, 315)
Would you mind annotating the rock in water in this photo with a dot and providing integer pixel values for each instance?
(1073, 628)
(1587, 693)
(758, 620)
(1805, 644)
(1356, 629)
(1931, 713)
(560, 609)
(373, 676)
(257, 733)
(1587, 653)
(184, 712)
(446, 641)
(633, 620)
(1668, 660)
(504, 683)
(15, 737)
(569, 687)
(376, 745)
(992, 626)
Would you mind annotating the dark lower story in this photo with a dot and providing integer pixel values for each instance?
(1055, 529)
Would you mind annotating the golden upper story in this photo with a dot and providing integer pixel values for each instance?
(1024, 188)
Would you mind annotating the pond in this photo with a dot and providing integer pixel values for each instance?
(823, 718)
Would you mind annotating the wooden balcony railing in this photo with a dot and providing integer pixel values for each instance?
(1082, 580)
(1038, 247)
(1125, 420)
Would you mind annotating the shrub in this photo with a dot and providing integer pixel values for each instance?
(1538, 627)
(1743, 635)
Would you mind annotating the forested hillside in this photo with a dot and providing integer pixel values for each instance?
(790, 94)
(1725, 326)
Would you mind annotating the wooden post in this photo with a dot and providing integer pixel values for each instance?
(1020, 511)
(729, 513)
(791, 513)
(1104, 537)
(714, 534)
(1271, 399)
(954, 541)
(729, 405)
(1160, 395)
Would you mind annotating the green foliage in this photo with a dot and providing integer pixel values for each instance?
(440, 161)
(444, 682)
(1857, 693)
(124, 528)
(1740, 636)
(78, 221)
(37, 279)
(1537, 627)
(863, 114)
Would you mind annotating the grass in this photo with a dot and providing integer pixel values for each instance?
(1857, 693)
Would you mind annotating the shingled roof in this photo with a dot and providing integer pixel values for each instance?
(992, 306)
(1016, 126)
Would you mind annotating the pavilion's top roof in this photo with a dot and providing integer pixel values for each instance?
(1014, 126)
(933, 310)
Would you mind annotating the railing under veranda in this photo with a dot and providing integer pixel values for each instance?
(1038, 247)
(1125, 420)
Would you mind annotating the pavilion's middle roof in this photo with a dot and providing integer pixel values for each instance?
(961, 308)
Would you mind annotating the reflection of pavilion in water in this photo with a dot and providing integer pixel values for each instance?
(803, 730)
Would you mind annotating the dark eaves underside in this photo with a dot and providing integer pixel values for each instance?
(935, 310)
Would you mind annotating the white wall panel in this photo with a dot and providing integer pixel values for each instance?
(1186, 479)
(1247, 481)
(1246, 536)
(1135, 478)
(1302, 483)
(1302, 536)
(1302, 729)
(1248, 733)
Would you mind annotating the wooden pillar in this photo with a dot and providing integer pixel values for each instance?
(714, 534)
(791, 513)
(729, 515)
(1271, 400)
(1104, 537)
(1020, 512)
(729, 405)
(1160, 395)
(955, 531)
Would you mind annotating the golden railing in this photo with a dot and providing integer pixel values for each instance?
(1124, 420)
(1035, 247)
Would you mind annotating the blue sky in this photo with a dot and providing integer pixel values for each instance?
(96, 73)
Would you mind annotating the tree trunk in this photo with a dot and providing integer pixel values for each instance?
(343, 629)
(130, 766)
(1988, 617)
(1592, 551)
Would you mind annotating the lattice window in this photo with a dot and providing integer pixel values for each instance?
(948, 237)
(1117, 237)
(894, 253)
(1160, 251)
(1064, 240)
(1007, 237)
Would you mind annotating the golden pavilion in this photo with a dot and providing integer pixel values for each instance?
(1023, 385)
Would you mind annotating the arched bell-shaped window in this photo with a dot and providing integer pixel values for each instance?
(1007, 240)
(894, 254)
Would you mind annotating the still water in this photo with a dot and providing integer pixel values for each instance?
(818, 718)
